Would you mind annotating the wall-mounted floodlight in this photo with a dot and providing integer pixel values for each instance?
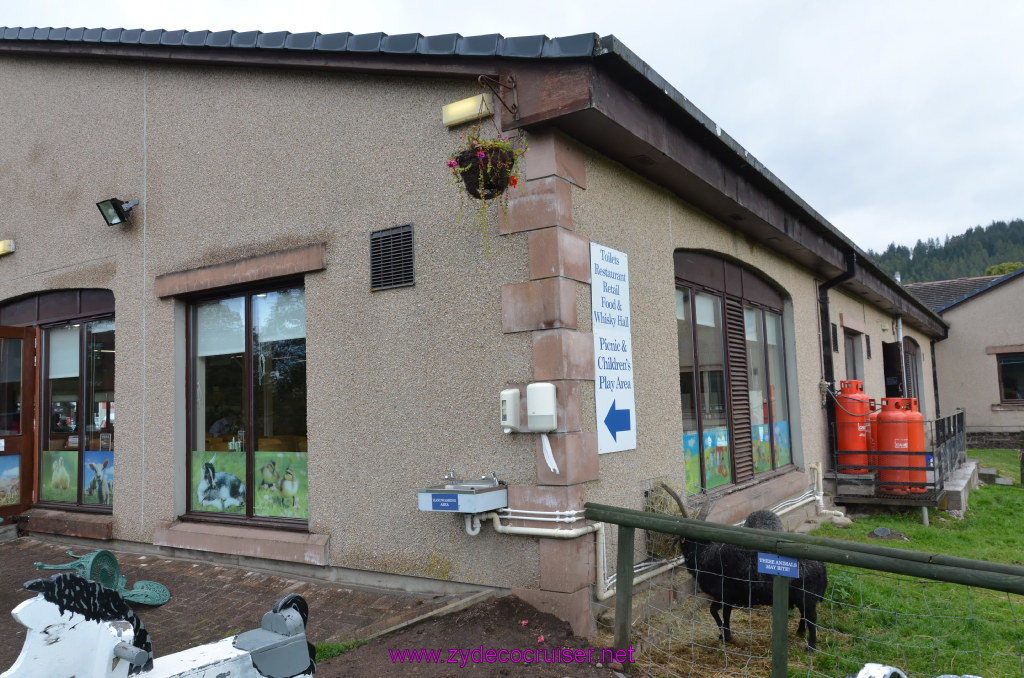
(472, 108)
(116, 211)
(6, 247)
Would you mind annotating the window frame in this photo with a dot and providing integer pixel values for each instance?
(1003, 400)
(248, 291)
(738, 288)
(82, 395)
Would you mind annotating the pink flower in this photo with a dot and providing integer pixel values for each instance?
(481, 155)
(452, 162)
(525, 622)
(540, 639)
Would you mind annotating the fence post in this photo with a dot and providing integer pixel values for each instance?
(780, 625)
(624, 588)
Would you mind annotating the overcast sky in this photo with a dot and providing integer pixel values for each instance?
(897, 120)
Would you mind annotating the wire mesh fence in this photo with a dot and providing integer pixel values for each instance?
(924, 627)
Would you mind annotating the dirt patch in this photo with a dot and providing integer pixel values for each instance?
(493, 625)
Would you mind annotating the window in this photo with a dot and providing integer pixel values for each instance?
(732, 373)
(1011, 377)
(248, 407)
(852, 353)
(77, 435)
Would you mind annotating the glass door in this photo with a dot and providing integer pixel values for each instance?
(17, 408)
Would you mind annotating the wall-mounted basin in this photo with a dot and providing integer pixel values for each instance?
(463, 496)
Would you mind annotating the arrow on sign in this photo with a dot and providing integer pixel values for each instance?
(617, 421)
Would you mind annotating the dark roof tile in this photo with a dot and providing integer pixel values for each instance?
(74, 34)
(525, 47)
(151, 37)
(172, 38)
(194, 39)
(272, 40)
(131, 37)
(366, 42)
(333, 42)
(27, 33)
(407, 43)
(941, 294)
(571, 46)
(92, 34)
(219, 39)
(480, 45)
(246, 39)
(111, 35)
(439, 45)
(12, 33)
(303, 41)
(43, 33)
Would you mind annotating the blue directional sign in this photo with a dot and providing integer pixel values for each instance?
(613, 350)
(769, 563)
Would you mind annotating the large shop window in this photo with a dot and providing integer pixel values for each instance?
(248, 406)
(732, 373)
(77, 459)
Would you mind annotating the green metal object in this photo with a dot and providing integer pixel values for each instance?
(101, 567)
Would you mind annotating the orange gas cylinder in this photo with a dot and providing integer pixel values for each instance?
(892, 446)
(851, 427)
(915, 448)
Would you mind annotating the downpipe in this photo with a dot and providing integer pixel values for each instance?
(819, 494)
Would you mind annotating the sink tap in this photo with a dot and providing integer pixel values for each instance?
(494, 478)
(449, 476)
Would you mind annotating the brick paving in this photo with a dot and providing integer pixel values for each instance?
(210, 602)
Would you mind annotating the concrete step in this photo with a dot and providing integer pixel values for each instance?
(959, 485)
(988, 475)
(1004, 481)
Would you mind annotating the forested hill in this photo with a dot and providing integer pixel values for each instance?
(960, 256)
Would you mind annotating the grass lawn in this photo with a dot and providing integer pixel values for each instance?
(928, 628)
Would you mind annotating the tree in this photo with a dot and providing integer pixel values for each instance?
(1004, 268)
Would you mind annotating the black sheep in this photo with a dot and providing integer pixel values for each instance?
(728, 574)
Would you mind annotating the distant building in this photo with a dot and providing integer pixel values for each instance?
(981, 364)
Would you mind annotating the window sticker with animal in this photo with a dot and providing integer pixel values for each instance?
(59, 476)
(282, 490)
(10, 479)
(219, 482)
(98, 478)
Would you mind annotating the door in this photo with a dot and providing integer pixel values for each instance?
(17, 419)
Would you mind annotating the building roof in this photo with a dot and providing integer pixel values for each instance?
(941, 295)
(604, 96)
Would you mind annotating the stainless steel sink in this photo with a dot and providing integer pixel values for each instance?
(464, 496)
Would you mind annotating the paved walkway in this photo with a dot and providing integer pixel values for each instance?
(210, 602)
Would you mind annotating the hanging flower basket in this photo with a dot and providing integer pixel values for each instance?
(485, 171)
(485, 168)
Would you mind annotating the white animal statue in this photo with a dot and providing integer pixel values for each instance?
(77, 627)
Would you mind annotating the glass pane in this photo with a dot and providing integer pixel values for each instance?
(778, 398)
(279, 393)
(1011, 371)
(687, 393)
(714, 412)
(59, 472)
(758, 389)
(218, 465)
(10, 389)
(98, 473)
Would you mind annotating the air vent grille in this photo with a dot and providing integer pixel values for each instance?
(391, 258)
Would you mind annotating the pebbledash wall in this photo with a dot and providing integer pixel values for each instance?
(248, 173)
